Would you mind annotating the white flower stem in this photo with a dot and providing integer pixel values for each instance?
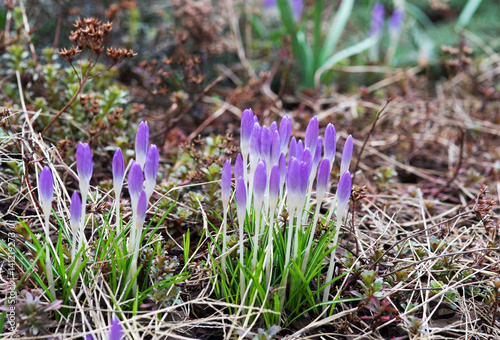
(242, 259)
(48, 262)
(224, 240)
(256, 235)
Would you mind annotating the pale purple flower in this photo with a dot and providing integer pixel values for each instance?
(118, 170)
(282, 166)
(330, 143)
(304, 172)
(84, 163)
(297, 7)
(292, 151)
(75, 211)
(292, 179)
(306, 157)
(317, 153)
(299, 150)
(346, 155)
(275, 148)
(247, 124)
(377, 19)
(135, 180)
(46, 189)
(285, 130)
(226, 182)
(322, 179)
(151, 169)
(142, 207)
(396, 22)
(311, 136)
(115, 333)
(241, 196)
(343, 192)
(259, 183)
(265, 144)
(274, 187)
(141, 143)
(238, 167)
(273, 127)
(255, 143)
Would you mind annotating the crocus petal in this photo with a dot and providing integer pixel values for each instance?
(344, 190)
(142, 207)
(292, 178)
(135, 180)
(274, 186)
(141, 143)
(311, 136)
(247, 124)
(317, 153)
(75, 210)
(275, 148)
(226, 182)
(115, 333)
(273, 127)
(304, 172)
(346, 155)
(151, 169)
(285, 130)
(241, 194)
(299, 150)
(84, 162)
(118, 169)
(297, 6)
(265, 144)
(330, 143)
(259, 183)
(322, 179)
(292, 151)
(396, 22)
(46, 188)
(377, 19)
(255, 143)
(282, 166)
(238, 167)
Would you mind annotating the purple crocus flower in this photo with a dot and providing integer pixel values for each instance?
(118, 171)
(396, 22)
(292, 151)
(282, 167)
(247, 124)
(151, 169)
(255, 143)
(285, 130)
(273, 127)
(299, 150)
(322, 179)
(238, 167)
(265, 144)
(274, 187)
(75, 210)
(275, 148)
(346, 155)
(135, 180)
(297, 7)
(141, 143)
(317, 154)
(226, 182)
(330, 143)
(241, 196)
(84, 163)
(259, 183)
(46, 189)
(343, 192)
(142, 207)
(377, 19)
(115, 333)
(292, 180)
(307, 158)
(311, 136)
(304, 172)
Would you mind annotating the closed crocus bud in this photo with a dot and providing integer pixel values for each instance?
(273, 127)
(241, 196)
(275, 148)
(118, 170)
(299, 150)
(343, 192)
(84, 162)
(255, 143)
(377, 19)
(292, 179)
(285, 130)
(330, 143)
(274, 187)
(115, 333)
(135, 180)
(265, 144)
(142, 207)
(292, 151)
(396, 22)
(247, 124)
(307, 158)
(346, 155)
(304, 172)
(46, 189)
(259, 183)
(282, 167)
(226, 182)
(322, 179)
(317, 154)
(75, 210)
(141, 143)
(151, 169)
(238, 167)
(311, 136)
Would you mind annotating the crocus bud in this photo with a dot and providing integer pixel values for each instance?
(151, 169)
(118, 170)
(115, 333)
(273, 127)
(311, 136)
(317, 153)
(259, 183)
(330, 143)
(238, 167)
(141, 143)
(247, 123)
(297, 6)
(292, 179)
(226, 182)
(285, 130)
(274, 187)
(343, 192)
(299, 150)
(265, 144)
(46, 189)
(241, 196)
(322, 179)
(346, 155)
(304, 172)
(75, 210)
(142, 207)
(275, 148)
(84, 163)
(135, 180)
(377, 19)
(282, 166)
(396, 23)
(255, 144)
(292, 151)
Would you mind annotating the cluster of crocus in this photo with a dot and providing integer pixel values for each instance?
(281, 175)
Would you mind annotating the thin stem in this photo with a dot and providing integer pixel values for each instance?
(224, 240)
(256, 235)
(48, 262)
(311, 237)
(287, 253)
(241, 221)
